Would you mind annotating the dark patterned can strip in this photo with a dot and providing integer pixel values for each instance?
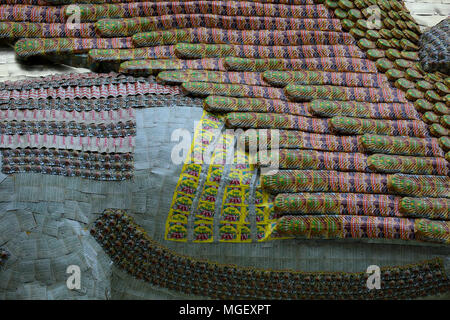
(100, 161)
(94, 12)
(247, 37)
(90, 92)
(71, 80)
(157, 265)
(112, 104)
(78, 127)
(71, 163)
(229, 104)
(80, 143)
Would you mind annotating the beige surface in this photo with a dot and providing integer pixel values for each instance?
(427, 13)
(12, 69)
